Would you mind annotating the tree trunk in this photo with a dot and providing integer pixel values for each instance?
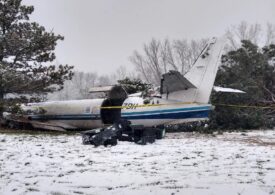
(1, 103)
(1, 95)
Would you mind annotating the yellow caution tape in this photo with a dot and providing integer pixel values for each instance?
(245, 106)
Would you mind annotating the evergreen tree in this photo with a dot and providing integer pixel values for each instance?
(134, 85)
(252, 70)
(27, 53)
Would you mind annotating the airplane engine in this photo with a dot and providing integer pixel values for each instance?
(111, 106)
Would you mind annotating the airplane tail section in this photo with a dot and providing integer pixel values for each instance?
(196, 85)
(204, 71)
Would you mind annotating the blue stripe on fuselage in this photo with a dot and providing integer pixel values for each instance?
(66, 117)
(175, 115)
(168, 110)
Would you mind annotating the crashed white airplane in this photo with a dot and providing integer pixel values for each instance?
(181, 99)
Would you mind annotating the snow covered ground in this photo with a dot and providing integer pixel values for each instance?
(183, 163)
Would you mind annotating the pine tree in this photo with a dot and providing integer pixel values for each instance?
(251, 69)
(134, 85)
(27, 53)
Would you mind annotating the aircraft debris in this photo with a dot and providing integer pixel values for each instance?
(122, 131)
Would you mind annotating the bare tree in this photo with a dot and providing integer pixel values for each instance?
(77, 88)
(256, 33)
(82, 82)
(65, 93)
(159, 57)
(138, 61)
(105, 80)
(270, 34)
(121, 73)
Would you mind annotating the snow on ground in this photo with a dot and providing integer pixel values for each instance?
(183, 163)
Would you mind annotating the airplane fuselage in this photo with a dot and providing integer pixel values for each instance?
(92, 113)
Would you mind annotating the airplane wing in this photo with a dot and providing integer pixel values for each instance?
(101, 89)
(227, 90)
(112, 91)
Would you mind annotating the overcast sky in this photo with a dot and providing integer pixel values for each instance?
(100, 35)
